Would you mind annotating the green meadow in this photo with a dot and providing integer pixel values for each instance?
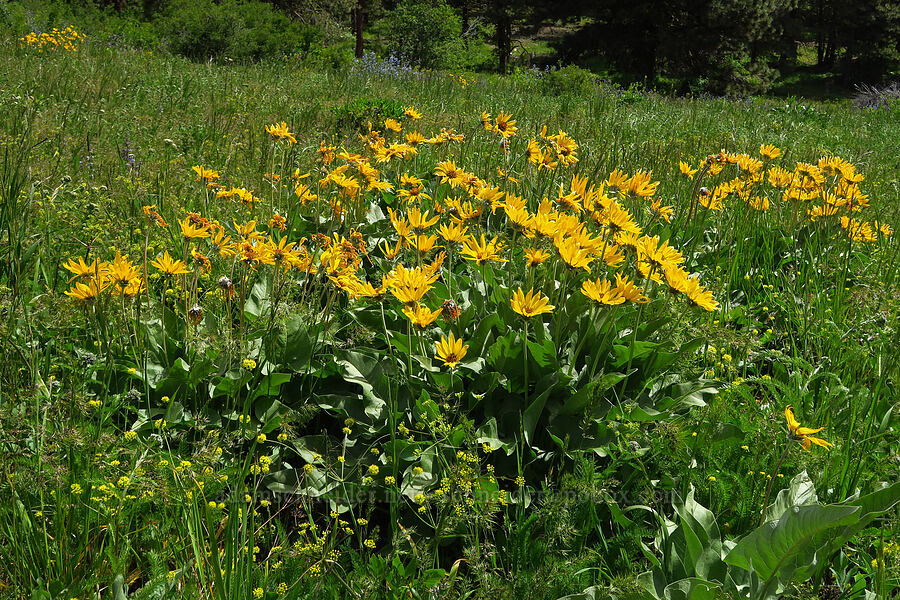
(282, 331)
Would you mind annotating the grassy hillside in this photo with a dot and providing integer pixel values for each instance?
(249, 388)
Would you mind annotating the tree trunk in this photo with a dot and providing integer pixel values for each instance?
(504, 41)
(820, 33)
(358, 20)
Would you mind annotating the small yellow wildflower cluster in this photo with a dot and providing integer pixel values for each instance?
(461, 80)
(67, 39)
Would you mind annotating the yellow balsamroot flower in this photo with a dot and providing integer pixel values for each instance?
(658, 211)
(676, 278)
(247, 230)
(530, 304)
(170, 266)
(602, 292)
(769, 152)
(359, 289)
(409, 285)
(422, 243)
(680, 281)
(505, 125)
(204, 174)
(780, 178)
(884, 228)
(418, 221)
(835, 166)
(825, 210)
(421, 316)
(858, 231)
(616, 183)
(535, 256)
(760, 203)
(579, 185)
(686, 169)
(121, 271)
(627, 289)
(400, 223)
(655, 256)
(305, 194)
(133, 288)
(279, 131)
(385, 154)
(244, 195)
(389, 252)
(461, 211)
(544, 224)
(700, 296)
(533, 152)
(566, 148)
(190, 231)
(414, 137)
(326, 153)
(514, 202)
(617, 219)
(448, 172)
(281, 253)
(640, 186)
(809, 175)
(88, 292)
(82, 269)
(451, 351)
(413, 194)
(573, 254)
(749, 164)
(570, 201)
(520, 218)
(412, 113)
(549, 161)
(381, 186)
(453, 233)
(278, 221)
(483, 251)
(221, 243)
(802, 434)
(363, 166)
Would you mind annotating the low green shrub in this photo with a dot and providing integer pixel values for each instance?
(337, 57)
(237, 29)
(570, 79)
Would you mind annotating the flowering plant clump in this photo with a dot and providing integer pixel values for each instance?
(66, 40)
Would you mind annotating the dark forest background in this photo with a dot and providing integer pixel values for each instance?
(722, 47)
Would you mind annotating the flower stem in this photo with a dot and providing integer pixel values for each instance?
(771, 483)
(521, 411)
